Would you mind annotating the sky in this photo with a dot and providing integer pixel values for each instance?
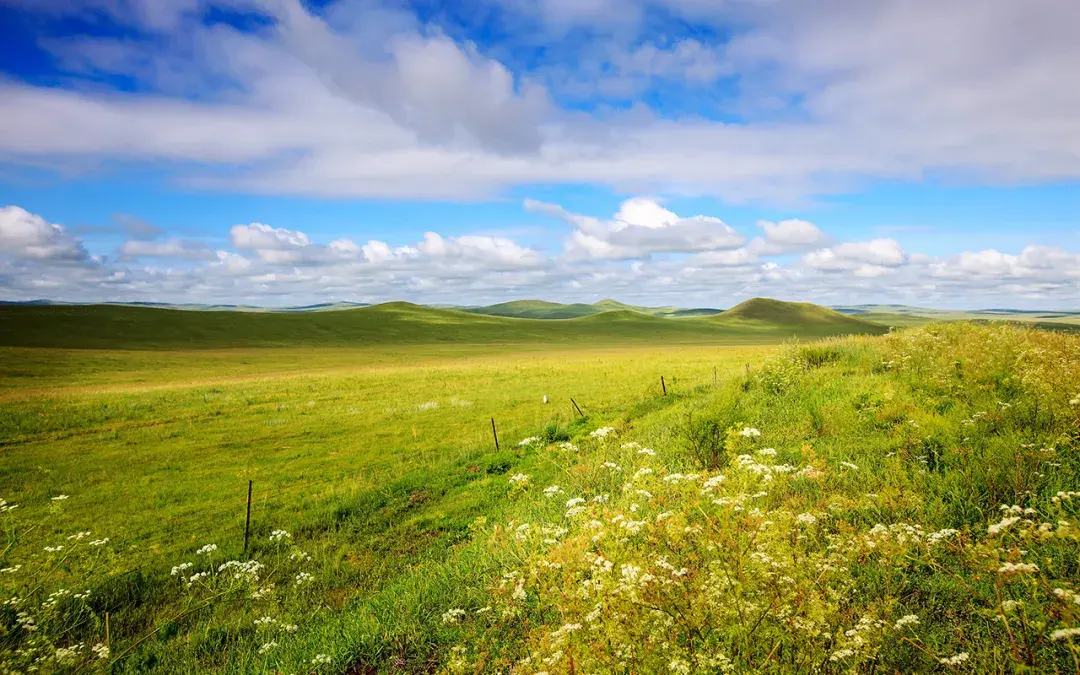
(661, 152)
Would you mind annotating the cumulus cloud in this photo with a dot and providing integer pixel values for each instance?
(29, 236)
(788, 236)
(475, 268)
(641, 227)
(864, 258)
(357, 100)
(171, 248)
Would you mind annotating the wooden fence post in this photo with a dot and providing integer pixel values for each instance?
(662, 385)
(576, 407)
(247, 523)
(494, 433)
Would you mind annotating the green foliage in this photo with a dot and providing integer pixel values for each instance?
(394, 323)
(858, 505)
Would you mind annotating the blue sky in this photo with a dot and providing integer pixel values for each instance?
(658, 151)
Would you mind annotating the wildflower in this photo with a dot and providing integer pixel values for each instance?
(10, 570)
(1064, 634)
(849, 465)
(453, 615)
(841, 654)
(79, 536)
(101, 651)
(806, 518)
(567, 446)
(601, 499)
(278, 535)
(264, 621)
(749, 432)
(552, 490)
(519, 479)
(98, 542)
(602, 432)
(647, 451)
(570, 503)
(59, 498)
(429, 405)
(526, 442)
(5, 507)
(908, 620)
(640, 473)
(54, 549)
(1004, 524)
(955, 660)
(321, 660)
(575, 511)
(611, 465)
(206, 550)
(1018, 568)
(302, 578)
(767, 452)
(267, 647)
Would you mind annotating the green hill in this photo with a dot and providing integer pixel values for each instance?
(542, 309)
(800, 318)
(395, 323)
(535, 309)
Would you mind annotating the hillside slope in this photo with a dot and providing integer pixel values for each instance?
(126, 327)
(800, 318)
(535, 309)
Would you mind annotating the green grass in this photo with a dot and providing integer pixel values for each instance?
(398, 323)
(542, 309)
(379, 460)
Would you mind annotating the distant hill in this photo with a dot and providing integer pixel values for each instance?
(764, 314)
(542, 309)
(535, 309)
(394, 323)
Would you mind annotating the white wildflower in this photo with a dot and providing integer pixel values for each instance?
(1064, 634)
(955, 660)
(602, 432)
(908, 620)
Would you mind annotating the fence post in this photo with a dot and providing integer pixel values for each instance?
(247, 523)
(714, 376)
(662, 385)
(572, 401)
(494, 433)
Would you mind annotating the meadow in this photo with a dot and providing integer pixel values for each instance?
(893, 503)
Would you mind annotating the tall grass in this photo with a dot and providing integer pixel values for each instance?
(891, 504)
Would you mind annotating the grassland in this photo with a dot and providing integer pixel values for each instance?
(377, 458)
(397, 323)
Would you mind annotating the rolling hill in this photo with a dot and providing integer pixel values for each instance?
(798, 318)
(542, 309)
(397, 323)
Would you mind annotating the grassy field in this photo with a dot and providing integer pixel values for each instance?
(397, 323)
(389, 535)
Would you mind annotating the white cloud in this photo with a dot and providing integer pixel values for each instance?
(171, 248)
(372, 105)
(29, 236)
(493, 252)
(858, 255)
(788, 236)
(641, 227)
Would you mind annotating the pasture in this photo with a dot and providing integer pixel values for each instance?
(898, 503)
